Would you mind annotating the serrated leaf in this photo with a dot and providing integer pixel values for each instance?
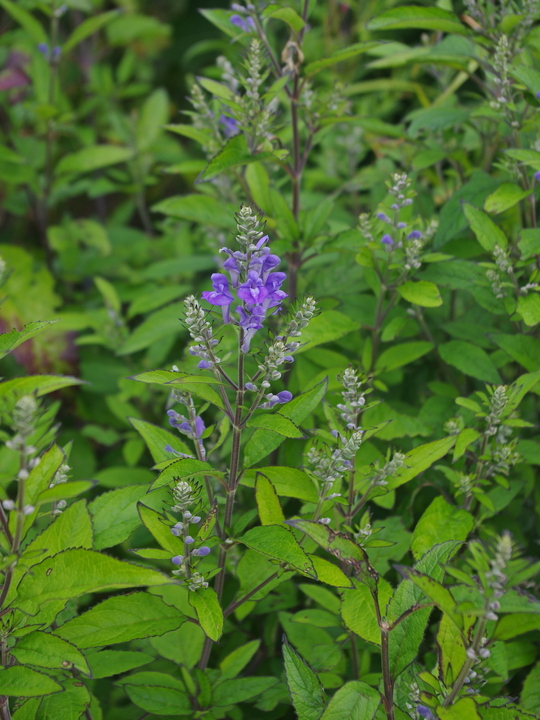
(276, 423)
(306, 691)
(358, 610)
(107, 663)
(115, 516)
(278, 542)
(470, 360)
(439, 523)
(340, 56)
(355, 701)
(92, 158)
(403, 354)
(505, 196)
(418, 18)
(233, 664)
(270, 511)
(209, 612)
(421, 292)
(329, 573)
(156, 438)
(487, 233)
(529, 308)
(48, 651)
(10, 340)
(19, 681)
(233, 154)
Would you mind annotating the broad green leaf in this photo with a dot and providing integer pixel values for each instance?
(201, 209)
(487, 233)
(235, 153)
(160, 324)
(27, 710)
(354, 701)
(278, 542)
(153, 298)
(523, 348)
(254, 569)
(88, 27)
(178, 469)
(42, 475)
(358, 609)
(263, 442)
(326, 327)
(183, 646)
(465, 438)
(106, 663)
(21, 681)
(286, 14)
(529, 240)
(407, 636)
(402, 354)
(470, 360)
(439, 523)
(306, 691)
(65, 491)
(464, 709)
(329, 573)
(13, 390)
(233, 664)
(339, 56)
(115, 516)
(452, 650)
(530, 694)
(201, 136)
(507, 712)
(529, 308)
(270, 511)
(10, 340)
(288, 482)
(108, 293)
(73, 573)
(153, 116)
(437, 593)
(48, 651)
(510, 626)
(422, 292)
(418, 18)
(156, 438)
(120, 619)
(241, 690)
(161, 530)
(505, 196)
(32, 26)
(526, 75)
(419, 459)
(209, 612)
(276, 423)
(67, 705)
(93, 158)
(157, 693)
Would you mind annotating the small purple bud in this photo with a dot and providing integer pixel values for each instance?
(401, 225)
(284, 396)
(414, 235)
(204, 365)
(537, 176)
(288, 358)
(195, 520)
(43, 49)
(201, 552)
(406, 202)
(199, 426)
(177, 529)
(168, 448)
(251, 387)
(425, 712)
(246, 25)
(538, 94)
(229, 125)
(395, 206)
(57, 51)
(383, 217)
(178, 559)
(387, 240)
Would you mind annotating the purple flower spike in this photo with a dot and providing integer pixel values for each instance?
(425, 712)
(220, 295)
(231, 266)
(247, 24)
(414, 235)
(178, 559)
(229, 126)
(201, 552)
(537, 176)
(387, 240)
(200, 427)
(254, 291)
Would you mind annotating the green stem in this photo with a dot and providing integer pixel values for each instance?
(466, 668)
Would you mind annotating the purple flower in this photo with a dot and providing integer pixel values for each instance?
(204, 365)
(425, 712)
(387, 240)
(414, 235)
(178, 559)
(43, 49)
(177, 529)
(199, 426)
(537, 176)
(220, 295)
(382, 216)
(251, 322)
(231, 266)
(178, 421)
(201, 552)
(254, 290)
(280, 399)
(538, 94)
(401, 225)
(229, 126)
(247, 24)
(189, 540)
(251, 387)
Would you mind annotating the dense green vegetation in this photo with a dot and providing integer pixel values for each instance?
(270, 360)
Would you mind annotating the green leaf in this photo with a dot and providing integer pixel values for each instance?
(437, 593)
(160, 324)
(178, 469)
(288, 482)
(418, 18)
(514, 624)
(209, 612)
(153, 116)
(46, 650)
(233, 664)
(422, 292)
(529, 241)
(157, 693)
(526, 75)
(161, 530)
(525, 349)
(233, 154)
(358, 609)
(465, 438)
(270, 511)
(439, 523)
(106, 663)
(339, 56)
(120, 619)
(156, 438)
(202, 209)
(470, 360)
(505, 196)
(306, 691)
(286, 14)
(201, 136)
(487, 233)
(10, 340)
(241, 689)
(32, 26)
(402, 354)
(464, 709)
(263, 442)
(407, 636)
(183, 646)
(329, 573)
(13, 390)
(354, 701)
(73, 573)
(419, 459)
(93, 158)
(41, 476)
(67, 705)
(65, 491)
(530, 694)
(21, 681)
(328, 326)
(529, 308)
(115, 516)
(88, 27)
(278, 542)
(276, 423)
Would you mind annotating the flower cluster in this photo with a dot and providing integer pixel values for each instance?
(201, 332)
(353, 398)
(184, 496)
(24, 419)
(498, 403)
(251, 280)
(389, 469)
(193, 430)
(331, 467)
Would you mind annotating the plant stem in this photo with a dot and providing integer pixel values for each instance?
(467, 666)
(388, 683)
